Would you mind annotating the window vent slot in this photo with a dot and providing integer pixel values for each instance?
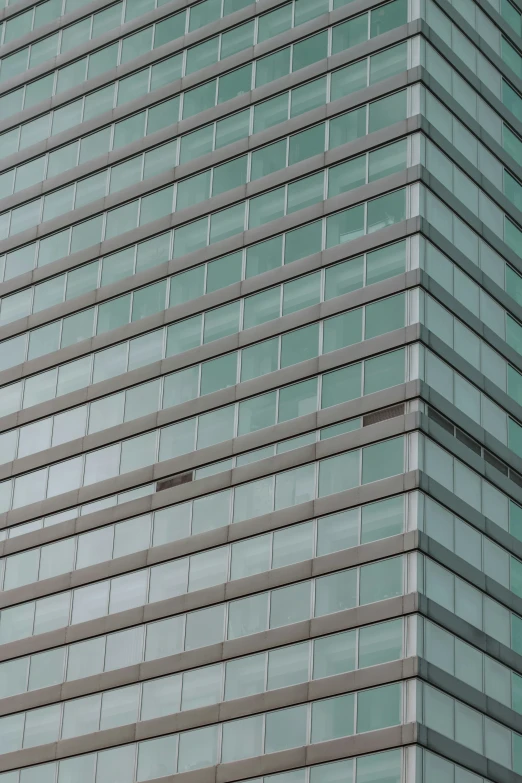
(383, 415)
(495, 462)
(441, 421)
(174, 481)
(467, 441)
(515, 477)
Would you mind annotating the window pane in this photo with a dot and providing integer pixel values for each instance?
(285, 729)
(334, 654)
(379, 707)
(336, 592)
(332, 718)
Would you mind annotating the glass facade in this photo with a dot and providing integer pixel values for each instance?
(261, 391)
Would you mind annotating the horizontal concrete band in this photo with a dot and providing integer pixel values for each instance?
(209, 116)
(198, 457)
(478, 85)
(190, 81)
(216, 452)
(214, 653)
(317, 163)
(291, 428)
(136, 478)
(281, 698)
(160, 470)
(250, 143)
(315, 115)
(201, 599)
(254, 235)
(114, 34)
(273, 277)
(204, 716)
(463, 756)
(266, 581)
(481, 43)
(408, 734)
(327, 687)
(162, 271)
(247, 442)
(133, 562)
(103, 570)
(165, 498)
(243, 288)
(372, 742)
(170, 315)
(274, 638)
(24, 5)
(256, 643)
(175, 46)
(304, 216)
(51, 227)
(264, 383)
(173, 174)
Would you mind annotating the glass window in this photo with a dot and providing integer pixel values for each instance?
(285, 729)
(275, 22)
(156, 758)
(245, 676)
(116, 764)
(124, 648)
(334, 654)
(247, 616)
(229, 175)
(270, 112)
(293, 545)
(77, 770)
(333, 718)
(380, 580)
(381, 460)
(265, 208)
(379, 520)
(81, 716)
(310, 50)
(77, 327)
(384, 316)
(90, 602)
(380, 643)
(339, 473)
(273, 67)
(336, 592)
(379, 707)
(168, 580)
(290, 604)
(235, 83)
(346, 176)
(337, 531)
(128, 591)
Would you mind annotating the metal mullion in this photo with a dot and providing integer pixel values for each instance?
(196, 431)
(358, 586)
(181, 102)
(279, 348)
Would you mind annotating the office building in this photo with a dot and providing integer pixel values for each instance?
(260, 391)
